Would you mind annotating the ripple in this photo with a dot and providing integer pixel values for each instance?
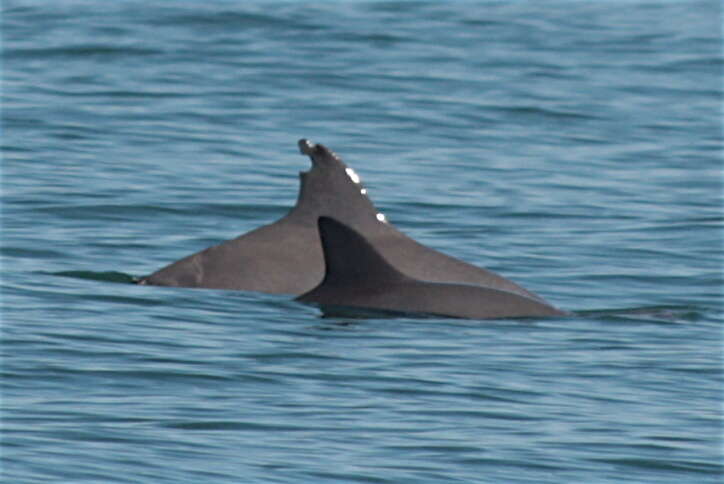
(81, 52)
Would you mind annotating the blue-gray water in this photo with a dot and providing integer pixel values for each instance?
(572, 146)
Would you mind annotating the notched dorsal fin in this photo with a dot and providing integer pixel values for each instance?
(350, 259)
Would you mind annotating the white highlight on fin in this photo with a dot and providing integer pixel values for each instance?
(352, 175)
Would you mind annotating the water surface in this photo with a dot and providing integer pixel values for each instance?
(574, 147)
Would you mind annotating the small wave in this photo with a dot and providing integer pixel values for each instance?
(218, 20)
(535, 111)
(663, 465)
(107, 211)
(652, 314)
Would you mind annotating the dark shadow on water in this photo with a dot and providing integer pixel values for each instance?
(351, 314)
(644, 314)
(108, 276)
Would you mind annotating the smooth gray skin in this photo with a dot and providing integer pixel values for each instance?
(358, 276)
(285, 257)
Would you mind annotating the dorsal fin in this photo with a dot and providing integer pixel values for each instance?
(350, 259)
(331, 187)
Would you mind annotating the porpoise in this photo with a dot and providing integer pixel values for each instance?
(285, 257)
(358, 276)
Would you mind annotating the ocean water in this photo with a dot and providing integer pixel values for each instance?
(573, 146)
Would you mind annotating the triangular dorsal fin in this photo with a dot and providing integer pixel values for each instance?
(331, 187)
(350, 259)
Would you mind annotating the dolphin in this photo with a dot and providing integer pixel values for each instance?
(285, 257)
(358, 276)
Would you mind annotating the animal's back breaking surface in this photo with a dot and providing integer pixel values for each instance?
(285, 257)
(357, 275)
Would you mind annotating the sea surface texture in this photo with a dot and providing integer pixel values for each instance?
(573, 146)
